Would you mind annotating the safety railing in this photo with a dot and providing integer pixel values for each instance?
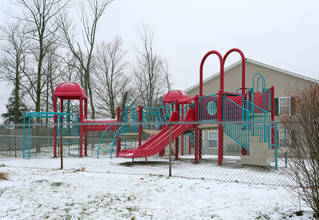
(67, 125)
(157, 114)
(257, 114)
(183, 111)
(110, 137)
(208, 108)
(239, 132)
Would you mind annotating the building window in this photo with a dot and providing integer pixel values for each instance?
(212, 138)
(284, 105)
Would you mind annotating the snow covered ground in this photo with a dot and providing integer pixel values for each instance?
(75, 193)
(230, 171)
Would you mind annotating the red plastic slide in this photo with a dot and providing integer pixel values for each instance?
(158, 142)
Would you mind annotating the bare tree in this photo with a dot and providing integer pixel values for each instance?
(13, 61)
(303, 126)
(84, 52)
(111, 80)
(71, 70)
(166, 75)
(52, 71)
(41, 18)
(151, 78)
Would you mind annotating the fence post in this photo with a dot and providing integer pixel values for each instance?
(15, 147)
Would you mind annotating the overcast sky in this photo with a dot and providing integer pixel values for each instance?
(284, 33)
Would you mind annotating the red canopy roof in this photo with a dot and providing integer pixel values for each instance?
(175, 94)
(69, 90)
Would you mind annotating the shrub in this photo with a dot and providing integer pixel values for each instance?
(303, 126)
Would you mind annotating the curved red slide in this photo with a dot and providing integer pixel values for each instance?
(158, 142)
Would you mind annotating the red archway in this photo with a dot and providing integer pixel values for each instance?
(243, 88)
(201, 70)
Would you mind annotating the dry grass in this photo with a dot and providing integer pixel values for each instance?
(4, 176)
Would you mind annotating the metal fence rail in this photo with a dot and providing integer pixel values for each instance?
(127, 139)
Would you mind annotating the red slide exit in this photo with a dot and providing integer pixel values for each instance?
(158, 142)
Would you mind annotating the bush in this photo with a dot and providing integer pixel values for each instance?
(303, 126)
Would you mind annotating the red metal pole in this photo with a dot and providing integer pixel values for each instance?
(118, 114)
(85, 143)
(81, 140)
(200, 144)
(176, 141)
(243, 88)
(182, 136)
(85, 109)
(196, 143)
(81, 127)
(61, 118)
(118, 147)
(55, 128)
(201, 71)
(220, 128)
(118, 142)
(140, 119)
(272, 90)
(196, 129)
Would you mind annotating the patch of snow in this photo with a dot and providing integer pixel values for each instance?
(69, 194)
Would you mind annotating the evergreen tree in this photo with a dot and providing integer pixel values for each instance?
(9, 117)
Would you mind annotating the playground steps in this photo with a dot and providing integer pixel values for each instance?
(259, 153)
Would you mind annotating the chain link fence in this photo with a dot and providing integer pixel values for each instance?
(175, 148)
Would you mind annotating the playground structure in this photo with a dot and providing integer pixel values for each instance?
(245, 114)
(73, 91)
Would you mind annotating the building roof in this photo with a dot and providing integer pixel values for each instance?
(256, 63)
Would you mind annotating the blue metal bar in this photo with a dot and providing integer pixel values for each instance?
(29, 136)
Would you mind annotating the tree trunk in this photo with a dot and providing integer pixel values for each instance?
(16, 97)
(38, 94)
